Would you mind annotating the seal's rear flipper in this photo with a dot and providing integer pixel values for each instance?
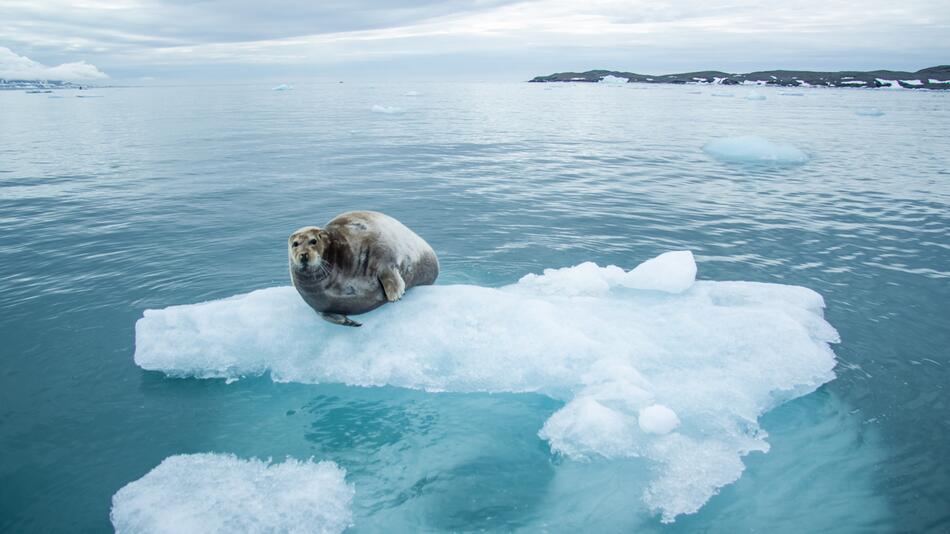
(340, 319)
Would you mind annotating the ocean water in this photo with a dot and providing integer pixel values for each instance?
(152, 197)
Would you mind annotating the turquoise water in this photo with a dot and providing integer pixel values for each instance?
(146, 198)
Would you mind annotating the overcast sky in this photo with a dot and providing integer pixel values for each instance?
(296, 40)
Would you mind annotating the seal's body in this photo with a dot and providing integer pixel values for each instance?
(358, 262)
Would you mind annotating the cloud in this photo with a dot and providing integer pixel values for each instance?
(169, 38)
(16, 67)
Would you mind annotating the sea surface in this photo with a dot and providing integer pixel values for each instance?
(150, 197)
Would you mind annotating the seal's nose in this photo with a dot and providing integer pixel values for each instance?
(305, 257)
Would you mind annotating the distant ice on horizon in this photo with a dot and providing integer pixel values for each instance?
(610, 79)
(388, 110)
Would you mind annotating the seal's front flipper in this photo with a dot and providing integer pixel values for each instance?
(393, 284)
(340, 319)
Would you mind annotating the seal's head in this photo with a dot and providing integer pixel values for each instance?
(306, 247)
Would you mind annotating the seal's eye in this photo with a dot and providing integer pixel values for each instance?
(313, 241)
(295, 244)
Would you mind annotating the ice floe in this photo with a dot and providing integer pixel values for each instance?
(211, 493)
(613, 80)
(649, 363)
(754, 149)
(386, 109)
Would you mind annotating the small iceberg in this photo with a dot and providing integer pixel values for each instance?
(610, 79)
(653, 367)
(222, 493)
(389, 110)
(753, 149)
(754, 96)
(869, 112)
(283, 87)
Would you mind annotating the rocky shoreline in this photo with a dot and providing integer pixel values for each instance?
(930, 78)
(43, 86)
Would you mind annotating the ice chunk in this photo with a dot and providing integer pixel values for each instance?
(658, 419)
(614, 80)
(618, 347)
(223, 493)
(672, 272)
(386, 109)
(869, 112)
(283, 87)
(754, 96)
(752, 149)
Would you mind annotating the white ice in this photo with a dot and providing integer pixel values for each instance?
(649, 363)
(753, 149)
(614, 80)
(658, 419)
(386, 109)
(221, 493)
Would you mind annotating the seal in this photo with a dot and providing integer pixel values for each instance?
(359, 261)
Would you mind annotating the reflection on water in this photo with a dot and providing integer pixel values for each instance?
(152, 197)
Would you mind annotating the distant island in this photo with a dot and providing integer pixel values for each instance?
(930, 78)
(38, 85)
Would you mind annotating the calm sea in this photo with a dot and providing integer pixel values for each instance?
(149, 197)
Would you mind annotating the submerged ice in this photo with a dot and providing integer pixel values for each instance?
(753, 149)
(223, 493)
(649, 363)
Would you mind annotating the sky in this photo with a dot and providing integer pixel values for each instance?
(158, 41)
